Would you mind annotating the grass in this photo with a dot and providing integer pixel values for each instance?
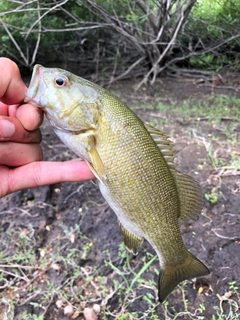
(133, 284)
(213, 108)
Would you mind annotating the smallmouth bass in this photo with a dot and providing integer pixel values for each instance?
(133, 163)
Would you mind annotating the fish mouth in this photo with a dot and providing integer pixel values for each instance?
(36, 87)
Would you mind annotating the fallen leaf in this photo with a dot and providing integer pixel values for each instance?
(76, 314)
(72, 238)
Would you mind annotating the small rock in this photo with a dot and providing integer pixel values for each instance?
(89, 314)
(68, 310)
(96, 308)
(59, 303)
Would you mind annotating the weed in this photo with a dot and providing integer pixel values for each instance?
(213, 196)
(30, 316)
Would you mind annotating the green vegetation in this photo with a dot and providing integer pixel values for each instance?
(213, 195)
(118, 37)
(222, 111)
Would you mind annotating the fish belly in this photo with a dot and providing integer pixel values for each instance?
(121, 214)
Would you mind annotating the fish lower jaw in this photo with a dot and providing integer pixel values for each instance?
(56, 127)
(32, 102)
(72, 132)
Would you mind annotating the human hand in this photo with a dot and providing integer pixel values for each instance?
(20, 153)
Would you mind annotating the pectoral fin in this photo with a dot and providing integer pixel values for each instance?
(131, 241)
(96, 164)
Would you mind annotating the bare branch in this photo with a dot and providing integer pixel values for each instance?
(38, 38)
(128, 70)
(45, 13)
(14, 42)
(154, 67)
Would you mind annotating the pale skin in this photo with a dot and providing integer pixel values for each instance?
(21, 164)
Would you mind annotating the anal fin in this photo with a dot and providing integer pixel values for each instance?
(131, 241)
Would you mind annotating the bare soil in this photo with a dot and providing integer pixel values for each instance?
(47, 218)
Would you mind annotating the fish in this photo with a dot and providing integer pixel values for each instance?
(134, 165)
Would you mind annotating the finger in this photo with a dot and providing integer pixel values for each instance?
(38, 174)
(12, 88)
(18, 154)
(30, 116)
(8, 110)
(3, 109)
(11, 129)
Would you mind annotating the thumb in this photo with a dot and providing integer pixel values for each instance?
(7, 129)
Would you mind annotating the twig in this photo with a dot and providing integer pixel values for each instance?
(154, 67)
(15, 275)
(44, 14)
(223, 237)
(128, 70)
(20, 266)
(71, 194)
(38, 36)
(14, 42)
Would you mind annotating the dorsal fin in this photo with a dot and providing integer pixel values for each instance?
(189, 191)
(190, 196)
(165, 145)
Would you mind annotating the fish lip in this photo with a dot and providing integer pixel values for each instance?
(36, 87)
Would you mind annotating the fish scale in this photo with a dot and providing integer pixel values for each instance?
(133, 163)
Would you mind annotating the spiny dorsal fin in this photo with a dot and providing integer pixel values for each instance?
(131, 241)
(164, 144)
(190, 196)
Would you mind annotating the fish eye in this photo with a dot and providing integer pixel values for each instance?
(61, 81)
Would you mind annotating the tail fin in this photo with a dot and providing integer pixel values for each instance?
(171, 276)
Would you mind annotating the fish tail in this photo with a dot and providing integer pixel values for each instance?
(171, 276)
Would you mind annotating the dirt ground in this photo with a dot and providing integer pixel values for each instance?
(42, 228)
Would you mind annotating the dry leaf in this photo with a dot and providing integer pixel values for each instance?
(72, 237)
(42, 253)
(76, 314)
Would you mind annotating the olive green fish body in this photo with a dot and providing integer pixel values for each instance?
(134, 166)
(130, 170)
